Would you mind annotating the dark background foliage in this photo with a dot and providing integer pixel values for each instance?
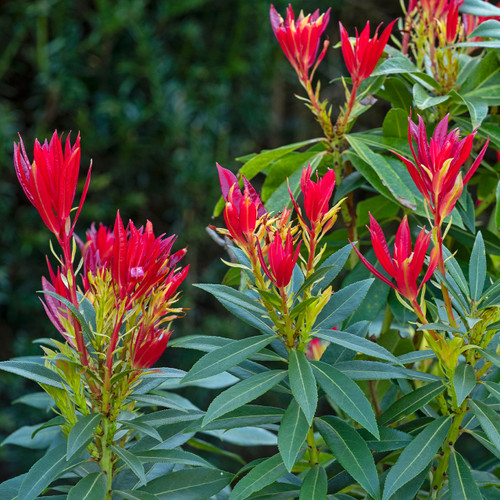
(159, 91)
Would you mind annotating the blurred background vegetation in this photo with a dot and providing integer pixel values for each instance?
(159, 91)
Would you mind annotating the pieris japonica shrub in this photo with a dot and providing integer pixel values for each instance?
(367, 266)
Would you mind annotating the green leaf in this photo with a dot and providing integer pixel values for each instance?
(221, 359)
(491, 356)
(477, 107)
(479, 8)
(165, 417)
(91, 487)
(334, 263)
(172, 457)
(487, 29)
(423, 100)
(489, 420)
(315, 484)
(386, 173)
(132, 461)
(416, 456)
(370, 370)
(266, 472)
(357, 344)
(390, 439)
(396, 123)
(43, 472)
(347, 395)
(342, 304)
(493, 388)
(464, 380)
(246, 416)
(243, 392)
(135, 495)
(33, 371)
(188, 484)
(462, 484)
(81, 433)
(292, 434)
(239, 304)
(142, 427)
(497, 206)
(303, 384)
(411, 402)
(351, 451)
(477, 268)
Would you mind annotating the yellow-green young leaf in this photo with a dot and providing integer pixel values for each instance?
(347, 395)
(411, 402)
(489, 420)
(351, 451)
(462, 484)
(303, 384)
(91, 487)
(464, 380)
(226, 357)
(416, 456)
(189, 484)
(243, 392)
(315, 484)
(292, 434)
(261, 475)
(81, 433)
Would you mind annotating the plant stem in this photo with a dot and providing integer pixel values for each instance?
(313, 450)
(106, 459)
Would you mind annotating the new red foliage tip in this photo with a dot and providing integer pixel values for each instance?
(405, 265)
(436, 171)
(362, 59)
(300, 38)
(50, 181)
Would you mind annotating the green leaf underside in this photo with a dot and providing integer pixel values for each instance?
(243, 392)
(416, 456)
(347, 395)
(303, 384)
(351, 451)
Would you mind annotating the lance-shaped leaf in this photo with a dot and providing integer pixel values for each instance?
(43, 472)
(477, 268)
(172, 457)
(464, 380)
(189, 484)
(81, 433)
(489, 420)
(132, 461)
(33, 371)
(243, 392)
(266, 472)
(334, 263)
(416, 456)
(462, 484)
(347, 395)
(225, 357)
(357, 344)
(493, 388)
(91, 487)
(351, 451)
(342, 304)
(411, 402)
(315, 484)
(292, 434)
(303, 384)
